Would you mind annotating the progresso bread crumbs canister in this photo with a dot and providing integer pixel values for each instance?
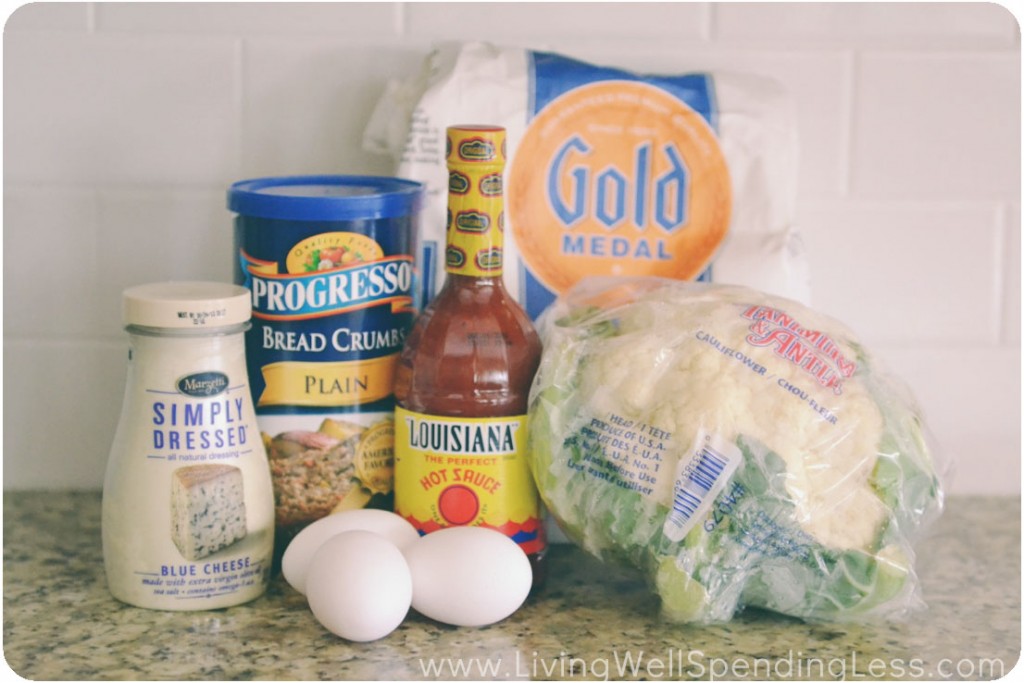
(329, 263)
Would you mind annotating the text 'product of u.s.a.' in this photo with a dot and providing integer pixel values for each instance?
(689, 176)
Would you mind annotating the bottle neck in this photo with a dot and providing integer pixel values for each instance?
(188, 332)
(476, 221)
(183, 351)
(459, 281)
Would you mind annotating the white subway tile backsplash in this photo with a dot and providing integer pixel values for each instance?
(60, 437)
(248, 18)
(905, 274)
(507, 21)
(971, 402)
(124, 124)
(49, 16)
(307, 103)
(118, 109)
(1011, 254)
(50, 262)
(922, 24)
(937, 126)
(149, 236)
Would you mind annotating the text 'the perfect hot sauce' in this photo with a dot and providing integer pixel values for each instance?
(464, 377)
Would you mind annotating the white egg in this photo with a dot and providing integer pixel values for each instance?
(468, 576)
(359, 586)
(297, 556)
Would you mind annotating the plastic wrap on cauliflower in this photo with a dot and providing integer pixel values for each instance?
(739, 448)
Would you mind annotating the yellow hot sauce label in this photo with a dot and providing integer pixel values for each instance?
(466, 472)
(476, 201)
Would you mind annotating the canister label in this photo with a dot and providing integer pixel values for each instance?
(466, 472)
(332, 304)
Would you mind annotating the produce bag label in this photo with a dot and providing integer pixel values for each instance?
(700, 477)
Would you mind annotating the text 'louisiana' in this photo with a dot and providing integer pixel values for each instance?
(463, 438)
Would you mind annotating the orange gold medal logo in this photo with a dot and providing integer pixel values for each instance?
(618, 178)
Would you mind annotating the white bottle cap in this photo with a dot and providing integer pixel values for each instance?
(186, 305)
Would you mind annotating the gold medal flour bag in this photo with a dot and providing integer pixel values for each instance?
(689, 176)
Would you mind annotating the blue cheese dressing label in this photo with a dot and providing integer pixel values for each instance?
(188, 505)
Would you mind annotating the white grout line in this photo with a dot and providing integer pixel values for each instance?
(709, 28)
(401, 19)
(847, 124)
(999, 273)
(238, 97)
(1004, 261)
(916, 204)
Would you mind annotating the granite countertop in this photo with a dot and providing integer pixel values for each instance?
(588, 622)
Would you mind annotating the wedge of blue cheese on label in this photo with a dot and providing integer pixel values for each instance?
(207, 509)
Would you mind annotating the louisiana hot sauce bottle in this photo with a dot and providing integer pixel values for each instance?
(464, 376)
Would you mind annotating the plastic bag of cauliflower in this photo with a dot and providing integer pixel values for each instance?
(739, 448)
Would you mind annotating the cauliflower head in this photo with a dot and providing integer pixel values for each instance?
(740, 449)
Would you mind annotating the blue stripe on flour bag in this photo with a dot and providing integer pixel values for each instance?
(552, 75)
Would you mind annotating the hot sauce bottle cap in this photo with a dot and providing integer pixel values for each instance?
(476, 146)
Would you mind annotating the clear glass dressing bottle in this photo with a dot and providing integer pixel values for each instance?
(188, 508)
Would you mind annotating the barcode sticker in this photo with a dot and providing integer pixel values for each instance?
(698, 481)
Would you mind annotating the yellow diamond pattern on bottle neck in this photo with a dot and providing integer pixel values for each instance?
(476, 157)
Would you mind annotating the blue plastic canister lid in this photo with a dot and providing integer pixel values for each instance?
(326, 197)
